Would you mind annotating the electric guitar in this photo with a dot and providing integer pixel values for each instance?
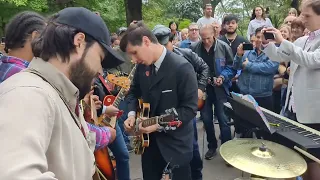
(106, 166)
(168, 121)
(121, 81)
(201, 101)
(115, 101)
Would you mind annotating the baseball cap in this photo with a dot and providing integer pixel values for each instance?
(91, 24)
(162, 33)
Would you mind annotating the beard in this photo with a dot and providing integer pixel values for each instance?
(231, 32)
(81, 76)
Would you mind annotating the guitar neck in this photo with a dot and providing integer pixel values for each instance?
(119, 97)
(150, 121)
(122, 91)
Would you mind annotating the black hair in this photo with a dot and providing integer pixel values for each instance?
(134, 35)
(58, 39)
(20, 28)
(206, 5)
(253, 16)
(258, 30)
(230, 17)
(171, 37)
(172, 22)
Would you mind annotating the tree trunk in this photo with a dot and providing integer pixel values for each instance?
(133, 10)
(295, 4)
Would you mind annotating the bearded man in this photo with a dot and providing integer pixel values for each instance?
(46, 137)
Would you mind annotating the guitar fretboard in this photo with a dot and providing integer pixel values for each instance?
(120, 96)
(150, 122)
(121, 93)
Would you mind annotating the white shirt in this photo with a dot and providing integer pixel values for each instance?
(157, 65)
(204, 21)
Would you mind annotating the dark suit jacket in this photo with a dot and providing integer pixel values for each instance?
(176, 74)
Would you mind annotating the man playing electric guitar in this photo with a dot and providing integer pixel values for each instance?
(164, 80)
(165, 38)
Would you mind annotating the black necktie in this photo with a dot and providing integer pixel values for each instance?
(153, 70)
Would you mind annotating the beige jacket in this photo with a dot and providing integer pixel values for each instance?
(39, 138)
(304, 75)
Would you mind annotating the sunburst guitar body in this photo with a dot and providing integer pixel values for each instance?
(142, 141)
(105, 164)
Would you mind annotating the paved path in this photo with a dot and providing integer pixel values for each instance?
(214, 169)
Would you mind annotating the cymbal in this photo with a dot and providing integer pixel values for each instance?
(263, 158)
(249, 178)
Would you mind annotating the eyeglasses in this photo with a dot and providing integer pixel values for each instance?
(193, 29)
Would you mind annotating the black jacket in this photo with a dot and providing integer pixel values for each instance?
(200, 67)
(223, 64)
(174, 86)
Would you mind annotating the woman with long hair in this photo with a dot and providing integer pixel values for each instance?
(174, 27)
(258, 19)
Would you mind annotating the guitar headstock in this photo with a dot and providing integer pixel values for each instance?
(170, 120)
(121, 81)
(173, 112)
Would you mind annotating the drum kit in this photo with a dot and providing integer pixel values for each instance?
(263, 159)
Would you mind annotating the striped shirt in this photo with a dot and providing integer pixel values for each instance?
(10, 65)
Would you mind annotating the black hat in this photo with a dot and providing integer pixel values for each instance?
(91, 24)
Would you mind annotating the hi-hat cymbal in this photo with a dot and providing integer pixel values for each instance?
(263, 158)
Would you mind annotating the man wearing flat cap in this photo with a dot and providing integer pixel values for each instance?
(46, 135)
(165, 38)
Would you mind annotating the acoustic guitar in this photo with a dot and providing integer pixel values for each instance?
(168, 121)
(106, 166)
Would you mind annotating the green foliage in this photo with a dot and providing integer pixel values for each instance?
(243, 9)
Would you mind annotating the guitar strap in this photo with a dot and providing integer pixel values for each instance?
(74, 117)
(105, 84)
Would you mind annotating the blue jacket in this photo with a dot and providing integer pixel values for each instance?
(256, 78)
(185, 43)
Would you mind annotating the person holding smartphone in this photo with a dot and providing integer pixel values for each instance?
(257, 73)
(304, 84)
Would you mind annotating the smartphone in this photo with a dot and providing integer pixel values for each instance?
(268, 35)
(247, 46)
(2, 40)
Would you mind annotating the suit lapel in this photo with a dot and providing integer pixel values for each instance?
(161, 71)
(310, 47)
(315, 45)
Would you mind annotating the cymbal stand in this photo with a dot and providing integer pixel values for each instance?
(167, 172)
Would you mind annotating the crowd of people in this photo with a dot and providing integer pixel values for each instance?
(48, 66)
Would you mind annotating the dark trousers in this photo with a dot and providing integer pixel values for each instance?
(265, 102)
(196, 162)
(153, 164)
(120, 151)
(290, 115)
(223, 120)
